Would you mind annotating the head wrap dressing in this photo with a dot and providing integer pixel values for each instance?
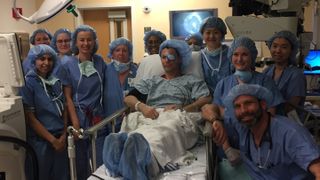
(182, 50)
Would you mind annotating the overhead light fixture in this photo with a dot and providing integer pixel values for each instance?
(47, 10)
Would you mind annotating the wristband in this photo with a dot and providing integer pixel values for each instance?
(136, 106)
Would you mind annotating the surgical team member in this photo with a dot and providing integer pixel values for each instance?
(195, 41)
(151, 64)
(243, 53)
(44, 105)
(290, 79)
(119, 76)
(82, 76)
(215, 63)
(272, 146)
(61, 42)
(39, 36)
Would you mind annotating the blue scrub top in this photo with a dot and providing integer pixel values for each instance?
(87, 91)
(213, 76)
(290, 146)
(44, 105)
(114, 92)
(222, 90)
(291, 83)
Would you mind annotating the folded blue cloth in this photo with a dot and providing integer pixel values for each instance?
(112, 150)
(136, 157)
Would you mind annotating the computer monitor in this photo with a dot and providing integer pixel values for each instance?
(313, 61)
(186, 22)
(11, 75)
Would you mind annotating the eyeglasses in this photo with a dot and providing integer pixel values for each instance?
(60, 41)
(169, 57)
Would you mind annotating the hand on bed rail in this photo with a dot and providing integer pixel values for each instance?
(78, 134)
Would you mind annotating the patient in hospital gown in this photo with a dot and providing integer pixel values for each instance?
(161, 122)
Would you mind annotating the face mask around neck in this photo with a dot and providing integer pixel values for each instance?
(121, 67)
(244, 76)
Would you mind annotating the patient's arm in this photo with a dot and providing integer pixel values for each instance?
(212, 112)
(196, 105)
(135, 104)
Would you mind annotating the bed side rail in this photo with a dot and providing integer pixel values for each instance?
(92, 131)
(210, 152)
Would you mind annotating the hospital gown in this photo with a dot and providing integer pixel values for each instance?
(173, 132)
(47, 107)
(292, 82)
(291, 146)
(181, 90)
(87, 99)
(211, 70)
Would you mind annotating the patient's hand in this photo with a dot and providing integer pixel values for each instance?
(149, 112)
(172, 107)
(210, 113)
(219, 133)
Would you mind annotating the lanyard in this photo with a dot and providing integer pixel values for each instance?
(210, 66)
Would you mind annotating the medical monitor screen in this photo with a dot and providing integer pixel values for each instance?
(184, 23)
(313, 61)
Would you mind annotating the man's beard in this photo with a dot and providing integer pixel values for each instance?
(256, 117)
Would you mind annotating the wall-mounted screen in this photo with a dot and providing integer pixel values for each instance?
(185, 22)
(313, 61)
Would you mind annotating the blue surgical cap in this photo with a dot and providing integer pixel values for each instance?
(255, 90)
(214, 22)
(40, 50)
(33, 36)
(246, 43)
(289, 36)
(162, 37)
(74, 36)
(182, 49)
(53, 43)
(197, 37)
(117, 42)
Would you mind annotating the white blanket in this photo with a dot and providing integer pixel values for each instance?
(169, 136)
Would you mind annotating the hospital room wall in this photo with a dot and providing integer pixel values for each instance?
(9, 24)
(158, 18)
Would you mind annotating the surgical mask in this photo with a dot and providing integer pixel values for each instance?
(50, 81)
(194, 47)
(57, 99)
(244, 76)
(213, 52)
(121, 67)
(87, 68)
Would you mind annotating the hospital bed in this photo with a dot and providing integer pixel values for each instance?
(202, 168)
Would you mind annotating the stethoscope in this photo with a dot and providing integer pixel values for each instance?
(78, 85)
(266, 137)
(207, 60)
